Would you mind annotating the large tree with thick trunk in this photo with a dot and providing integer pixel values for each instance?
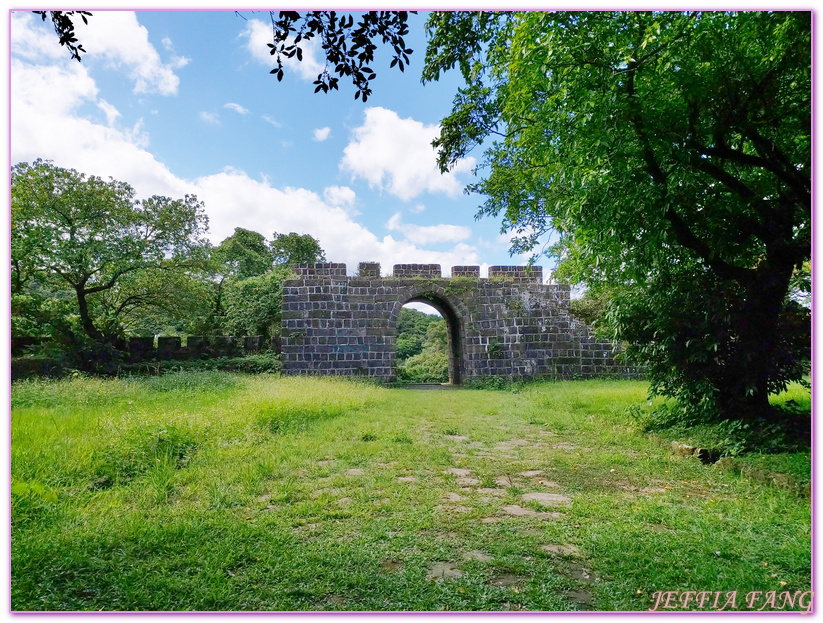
(671, 152)
(95, 238)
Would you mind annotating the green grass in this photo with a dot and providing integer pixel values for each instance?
(218, 491)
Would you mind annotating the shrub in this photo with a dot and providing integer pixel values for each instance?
(259, 363)
(427, 367)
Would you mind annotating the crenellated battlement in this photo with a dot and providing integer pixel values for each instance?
(320, 271)
(371, 270)
(507, 324)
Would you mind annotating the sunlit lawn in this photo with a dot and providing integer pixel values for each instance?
(215, 491)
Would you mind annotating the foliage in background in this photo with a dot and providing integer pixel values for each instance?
(79, 234)
(668, 149)
(422, 347)
(412, 328)
(293, 248)
(253, 306)
(592, 306)
(429, 366)
(90, 265)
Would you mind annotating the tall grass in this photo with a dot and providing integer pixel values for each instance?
(216, 491)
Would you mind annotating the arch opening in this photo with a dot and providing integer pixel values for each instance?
(442, 341)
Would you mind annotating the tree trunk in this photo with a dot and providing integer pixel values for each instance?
(746, 395)
(85, 318)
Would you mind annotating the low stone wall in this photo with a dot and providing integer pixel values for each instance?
(197, 346)
(510, 324)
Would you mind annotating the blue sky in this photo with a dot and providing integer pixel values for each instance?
(182, 102)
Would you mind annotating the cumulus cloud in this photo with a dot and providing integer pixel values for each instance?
(117, 37)
(428, 234)
(236, 108)
(45, 123)
(396, 155)
(233, 199)
(341, 196)
(321, 134)
(32, 42)
(47, 101)
(258, 34)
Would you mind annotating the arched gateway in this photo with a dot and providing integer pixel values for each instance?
(510, 324)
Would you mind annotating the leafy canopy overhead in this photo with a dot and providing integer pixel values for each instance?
(348, 45)
(636, 135)
(671, 152)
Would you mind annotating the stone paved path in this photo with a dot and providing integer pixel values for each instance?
(507, 482)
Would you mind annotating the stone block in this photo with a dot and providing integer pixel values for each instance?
(252, 343)
(368, 270)
(225, 346)
(141, 348)
(168, 347)
(466, 271)
(417, 270)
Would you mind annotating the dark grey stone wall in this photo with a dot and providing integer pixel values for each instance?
(510, 324)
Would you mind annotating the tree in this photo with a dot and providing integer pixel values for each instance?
(293, 248)
(592, 306)
(251, 274)
(254, 305)
(95, 238)
(240, 256)
(437, 336)
(671, 151)
(413, 331)
(244, 254)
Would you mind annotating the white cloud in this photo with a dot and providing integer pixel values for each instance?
(341, 196)
(233, 199)
(236, 108)
(274, 122)
(258, 34)
(417, 208)
(209, 117)
(117, 37)
(396, 155)
(46, 122)
(178, 62)
(321, 134)
(32, 41)
(110, 111)
(136, 136)
(54, 89)
(428, 234)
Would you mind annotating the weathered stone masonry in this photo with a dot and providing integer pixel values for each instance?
(510, 324)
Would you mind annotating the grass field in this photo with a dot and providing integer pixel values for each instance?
(217, 491)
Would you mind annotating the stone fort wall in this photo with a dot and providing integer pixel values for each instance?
(509, 324)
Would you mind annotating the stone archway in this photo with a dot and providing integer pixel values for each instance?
(509, 324)
(454, 329)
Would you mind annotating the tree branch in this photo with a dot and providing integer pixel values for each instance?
(683, 234)
(686, 238)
